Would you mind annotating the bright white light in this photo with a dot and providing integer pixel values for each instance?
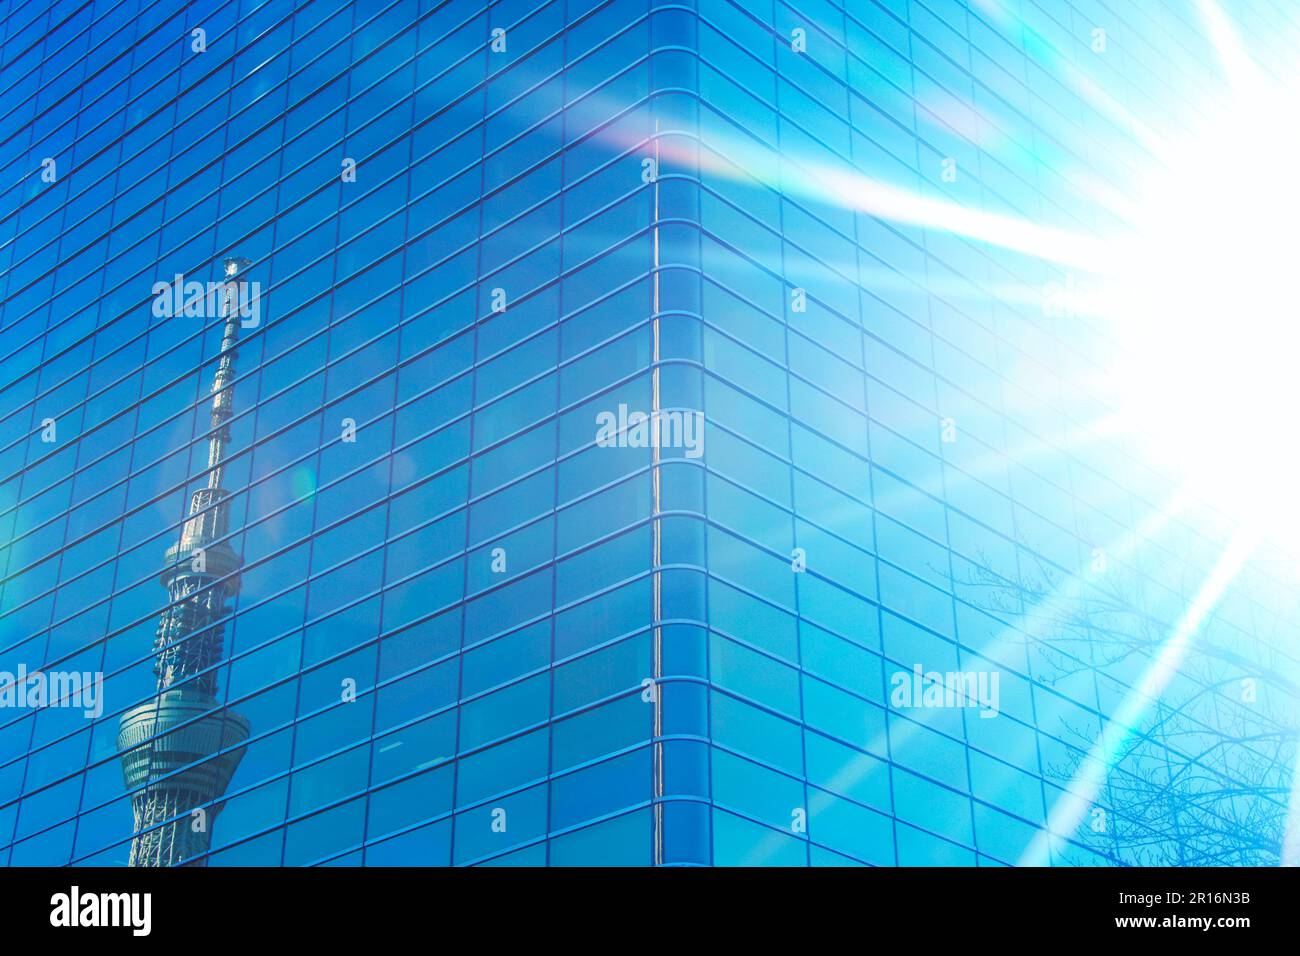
(1205, 306)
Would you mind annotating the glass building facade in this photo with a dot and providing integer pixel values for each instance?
(470, 621)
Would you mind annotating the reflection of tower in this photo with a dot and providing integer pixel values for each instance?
(170, 743)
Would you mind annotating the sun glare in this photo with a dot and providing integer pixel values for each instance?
(1202, 303)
